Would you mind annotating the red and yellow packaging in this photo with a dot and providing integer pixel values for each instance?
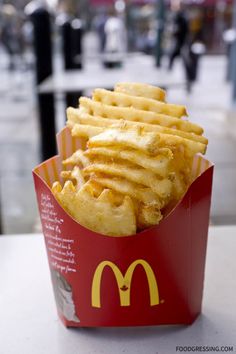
(154, 277)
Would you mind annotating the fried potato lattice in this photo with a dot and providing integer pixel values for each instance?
(138, 161)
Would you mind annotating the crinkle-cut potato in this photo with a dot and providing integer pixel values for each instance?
(85, 131)
(97, 121)
(149, 142)
(146, 104)
(148, 215)
(134, 190)
(158, 163)
(162, 187)
(77, 158)
(137, 163)
(76, 175)
(142, 90)
(131, 114)
(98, 214)
(135, 139)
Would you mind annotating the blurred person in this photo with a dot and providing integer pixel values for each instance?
(99, 26)
(180, 30)
(191, 54)
(115, 39)
(186, 45)
(11, 33)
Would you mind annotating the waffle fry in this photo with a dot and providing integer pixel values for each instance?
(86, 131)
(66, 174)
(131, 114)
(78, 158)
(141, 90)
(75, 175)
(97, 121)
(98, 214)
(134, 190)
(126, 138)
(146, 104)
(138, 158)
(148, 215)
(162, 187)
(101, 136)
(157, 164)
(147, 141)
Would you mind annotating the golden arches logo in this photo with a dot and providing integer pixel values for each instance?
(124, 282)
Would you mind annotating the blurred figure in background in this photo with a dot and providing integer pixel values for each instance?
(186, 43)
(115, 39)
(180, 32)
(10, 33)
(99, 26)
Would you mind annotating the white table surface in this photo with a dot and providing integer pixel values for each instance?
(140, 68)
(29, 323)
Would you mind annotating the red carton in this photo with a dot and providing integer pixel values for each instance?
(152, 278)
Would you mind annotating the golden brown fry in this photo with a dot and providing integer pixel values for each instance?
(56, 187)
(138, 161)
(147, 142)
(162, 187)
(119, 99)
(76, 175)
(76, 158)
(66, 174)
(97, 214)
(134, 190)
(148, 215)
(72, 118)
(97, 121)
(157, 164)
(173, 141)
(141, 90)
(129, 113)
(86, 131)
(121, 135)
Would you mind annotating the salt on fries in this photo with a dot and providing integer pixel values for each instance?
(138, 160)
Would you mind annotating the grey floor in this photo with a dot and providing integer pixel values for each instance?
(209, 104)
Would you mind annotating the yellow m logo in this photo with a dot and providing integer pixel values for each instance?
(124, 282)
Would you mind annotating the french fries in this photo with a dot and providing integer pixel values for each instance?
(146, 104)
(137, 163)
(76, 175)
(99, 214)
(127, 138)
(146, 142)
(78, 158)
(137, 191)
(148, 215)
(131, 114)
(162, 187)
(97, 121)
(157, 164)
(141, 90)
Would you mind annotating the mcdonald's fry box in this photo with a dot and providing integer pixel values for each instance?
(154, 277)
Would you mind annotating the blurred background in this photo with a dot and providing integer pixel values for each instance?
(53, 51)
